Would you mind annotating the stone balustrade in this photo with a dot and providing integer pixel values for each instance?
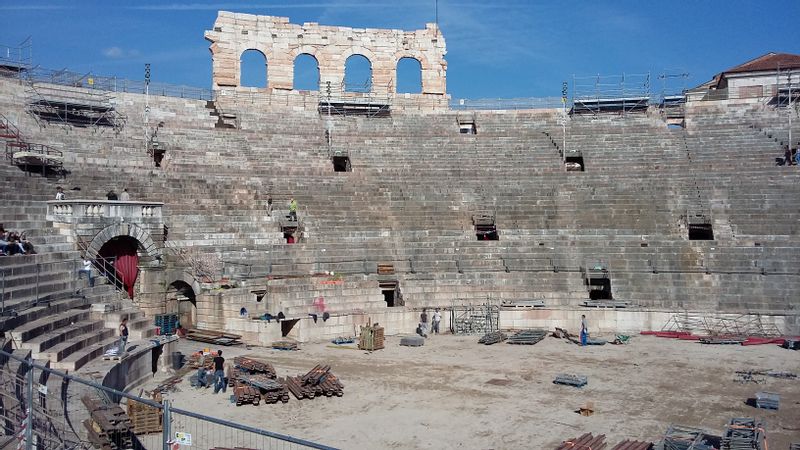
(67, 211)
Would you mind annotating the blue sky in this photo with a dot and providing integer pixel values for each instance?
(496, 48)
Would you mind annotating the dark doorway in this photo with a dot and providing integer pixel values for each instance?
(486, 233)
(158, 156)
(388, 297)
(600, 289)
(574, 164)
(701, 232)
(181, 298)
(467, 128)
(391, 293)
(342, 164)
(287, 325)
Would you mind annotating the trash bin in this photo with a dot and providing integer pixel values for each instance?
(177, 360)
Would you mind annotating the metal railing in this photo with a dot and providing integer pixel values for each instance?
(46, 409)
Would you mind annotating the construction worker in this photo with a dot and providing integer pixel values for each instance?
(584, 330)
(293, 209)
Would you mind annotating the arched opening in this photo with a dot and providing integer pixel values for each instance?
(121, 253)
(409, 76)
(357, 74)
(306, 73)
(253, 69)
(181, 300)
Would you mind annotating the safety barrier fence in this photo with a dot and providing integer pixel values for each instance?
(46, 409)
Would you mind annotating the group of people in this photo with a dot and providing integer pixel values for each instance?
(14, 243)
(292, 207)
(217, 376)
(123, 197)
(110, 195)
(790, 157)
(436, 320)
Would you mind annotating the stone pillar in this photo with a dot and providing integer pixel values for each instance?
(149, 291)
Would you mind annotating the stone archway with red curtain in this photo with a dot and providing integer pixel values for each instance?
(127, 247)
(122, 252)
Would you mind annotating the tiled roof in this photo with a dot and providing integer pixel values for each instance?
(770, 61)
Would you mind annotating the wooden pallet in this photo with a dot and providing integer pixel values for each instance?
(145, 419)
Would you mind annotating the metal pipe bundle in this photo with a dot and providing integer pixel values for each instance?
(571, 380)
(492, 338)
(744, 434)
(768, 400)
(527, 337)
(679, 437)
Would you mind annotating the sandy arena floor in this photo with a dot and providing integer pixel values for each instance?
(447, 394)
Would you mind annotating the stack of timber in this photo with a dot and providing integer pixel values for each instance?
(197, 360)
(245, 394)
(145, 419)
(269, 389)
(317, 382)
(253, 366)
(285, 345)
(214, 337)
(371, 338)
(587, 441)
(492, 338)
(108, 427)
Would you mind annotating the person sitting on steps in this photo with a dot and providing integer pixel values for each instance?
(293, 209)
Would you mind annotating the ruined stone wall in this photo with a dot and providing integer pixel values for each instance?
(281, 42)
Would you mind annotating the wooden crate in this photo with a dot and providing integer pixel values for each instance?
(371, 338)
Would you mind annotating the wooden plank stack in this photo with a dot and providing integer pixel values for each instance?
(255, 381)
(145, 419)
(284, 345)
(319, 381)
(270, 390)
(214, 337)
(108, 427)
(371, 338)
(385, 269)
(254, 366)
(245, 394)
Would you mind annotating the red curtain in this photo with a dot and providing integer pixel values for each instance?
(127, 269)
(126, 261)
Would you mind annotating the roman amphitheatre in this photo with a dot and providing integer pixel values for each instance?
(314, 235)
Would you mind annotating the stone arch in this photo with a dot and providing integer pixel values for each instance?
(147, 247)
(424, 63)
(297, 53)
(417, 74)
(360, 84)
(181, 298)
(266, 66)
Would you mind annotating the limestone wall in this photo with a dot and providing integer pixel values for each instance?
(281, 42)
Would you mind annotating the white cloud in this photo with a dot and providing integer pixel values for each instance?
(119, 53)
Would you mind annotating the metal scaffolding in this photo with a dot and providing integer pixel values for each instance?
(349, 100)
(72, 99)
(16, 60)
(610, 93)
